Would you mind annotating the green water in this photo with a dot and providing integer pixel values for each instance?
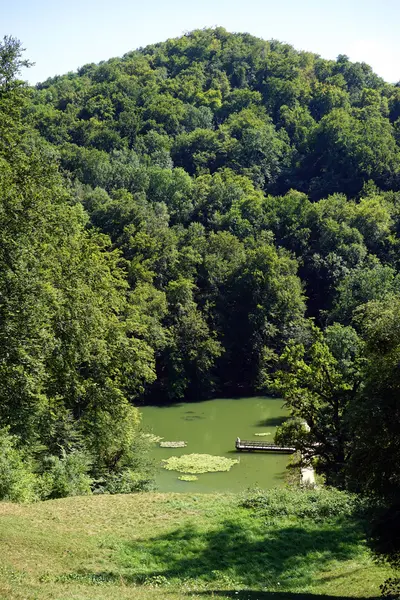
(211, 427)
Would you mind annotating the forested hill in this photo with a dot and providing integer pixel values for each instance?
(212, 100)
(185, 153)
(211, 215)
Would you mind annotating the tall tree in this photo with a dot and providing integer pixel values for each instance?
(72, 343)
(319, 381)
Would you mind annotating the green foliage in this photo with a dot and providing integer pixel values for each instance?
(319, 382)
(66, 476)
(318, 505)
(127, 481)
(73, 354)
(194, 131)
(361, 285)
(18, 482)
(11, 62)
(375, 415)
(214, 189)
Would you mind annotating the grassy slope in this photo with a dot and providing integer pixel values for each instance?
(176, 546)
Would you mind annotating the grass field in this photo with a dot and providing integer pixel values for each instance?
(175, 546)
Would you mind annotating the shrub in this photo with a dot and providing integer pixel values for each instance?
(18, 482)
(133, 473)
(317, 504)
(66, 476)
(127, 481)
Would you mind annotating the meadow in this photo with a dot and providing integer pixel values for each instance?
(281, 544)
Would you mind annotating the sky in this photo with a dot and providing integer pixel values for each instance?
(61, 36)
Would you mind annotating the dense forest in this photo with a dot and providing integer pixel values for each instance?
(212, 215)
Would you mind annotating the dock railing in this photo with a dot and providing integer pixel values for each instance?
(252, 445)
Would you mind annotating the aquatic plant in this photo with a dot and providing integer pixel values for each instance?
(173, 444)
(153, 438)
(198, 463)
(265, 433)
(188, 478)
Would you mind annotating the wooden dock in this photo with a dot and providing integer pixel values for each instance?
(254, 446)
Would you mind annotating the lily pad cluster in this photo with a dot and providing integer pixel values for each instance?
(198, 463)
(188, 478)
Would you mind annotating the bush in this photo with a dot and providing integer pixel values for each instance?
(18, 483)
(134, 472)
(66, 476)
(127, 481)
(314, 504)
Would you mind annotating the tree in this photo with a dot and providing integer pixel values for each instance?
(73, 350)
(264, 309)
(188, 361)
(11, 63)
(319, 379)
(373, 281)
(349, 148)
(257, 150)
(376, 415)
(375, 420)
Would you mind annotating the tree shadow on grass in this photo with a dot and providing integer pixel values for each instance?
(255, 595)
(247, 553)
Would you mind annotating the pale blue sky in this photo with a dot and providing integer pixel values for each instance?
(62, 36)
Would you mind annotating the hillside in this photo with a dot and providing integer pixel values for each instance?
(212, 100)
(210, 160)
(152, 546)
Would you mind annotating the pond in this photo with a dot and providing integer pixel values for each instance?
(211, 427)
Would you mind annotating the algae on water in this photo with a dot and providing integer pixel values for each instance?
(188, 478)
(154, 439)
(173, 444)
(198, 463)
